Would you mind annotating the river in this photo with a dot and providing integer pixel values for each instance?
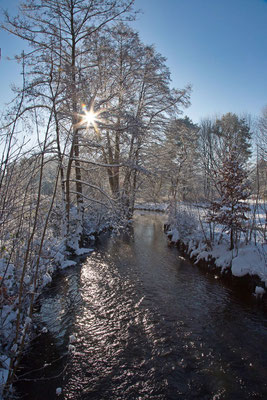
(148, 325)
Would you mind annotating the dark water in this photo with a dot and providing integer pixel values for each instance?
(149, 325)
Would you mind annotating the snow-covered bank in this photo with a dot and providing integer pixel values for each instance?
(24, 277)
(191, 234)
(57, 255)
(248, 261)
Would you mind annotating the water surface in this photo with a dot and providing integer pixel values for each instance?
(149, 325)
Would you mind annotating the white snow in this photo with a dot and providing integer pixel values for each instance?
(204, 255)
(7, 272)
(82, 250)
(259, 291)
(67, 263)
(28, 321)
(8, 317)
(248, 259)
(4, 362)
(71, 348)
(58, 391)
(46, 279)
(151, 206)
(175, 235)
(72, 339)
(222, 255)
(27, 279)
(14, 348)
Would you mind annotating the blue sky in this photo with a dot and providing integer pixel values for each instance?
(219, 46)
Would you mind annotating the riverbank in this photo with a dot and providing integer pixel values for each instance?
(246, 266)
(148, 324)
(56, 257)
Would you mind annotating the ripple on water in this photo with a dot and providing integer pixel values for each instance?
(149, 325)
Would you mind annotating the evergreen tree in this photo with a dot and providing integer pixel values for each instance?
(230, 210)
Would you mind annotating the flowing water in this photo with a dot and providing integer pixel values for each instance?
(149, 325)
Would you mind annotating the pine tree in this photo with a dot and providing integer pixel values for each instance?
(230, 210)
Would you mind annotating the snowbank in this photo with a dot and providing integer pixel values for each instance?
(58, 258)
(249, 259)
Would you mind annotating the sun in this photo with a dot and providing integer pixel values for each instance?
(90, 118)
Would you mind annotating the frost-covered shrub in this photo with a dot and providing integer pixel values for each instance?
(182, 220)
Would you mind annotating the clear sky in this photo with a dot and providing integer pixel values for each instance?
(219, 46)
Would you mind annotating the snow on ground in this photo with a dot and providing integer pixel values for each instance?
(4, 365)
(250, 257)
(250, 261)
(58, 257)
(83, 250)
(67, 263)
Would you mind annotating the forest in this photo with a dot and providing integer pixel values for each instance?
(95, 130)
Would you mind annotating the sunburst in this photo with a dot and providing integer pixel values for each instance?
(90, 118)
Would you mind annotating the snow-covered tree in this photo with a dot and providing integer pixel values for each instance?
(49, 108)
(135, 81)
(218, 137)
(56, 31)
(230, 209)
(262, 134)
(233, 132)
(181, 157)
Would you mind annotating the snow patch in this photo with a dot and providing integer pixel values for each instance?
(72, 339)
(175, 235)
(249, 261)
(151, 206)
(82, 251)
(259, 291)
(71, 348)
(67, 263)
(46, 279)
(4, 367)
(246, 259)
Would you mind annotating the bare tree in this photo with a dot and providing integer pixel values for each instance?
(134, 87)
(56, 30)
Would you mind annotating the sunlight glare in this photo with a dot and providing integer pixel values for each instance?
(90, 118)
